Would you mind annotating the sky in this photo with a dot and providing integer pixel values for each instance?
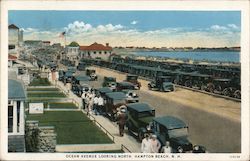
(132, 28)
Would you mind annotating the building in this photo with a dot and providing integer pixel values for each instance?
(33, 43)
(11, 60)
(46, 43)
(15, 36)
(72, 51)
(16, 132)
(96, 51)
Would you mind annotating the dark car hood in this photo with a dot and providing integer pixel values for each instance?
(146, 120)
(181, 140)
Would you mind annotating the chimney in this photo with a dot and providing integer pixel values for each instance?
(107, 44)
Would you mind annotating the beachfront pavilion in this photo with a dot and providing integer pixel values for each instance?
(16, 131)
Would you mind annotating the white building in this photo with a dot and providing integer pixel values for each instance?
(15, 36)
(96, 51)
(16, 132)
(72, 51)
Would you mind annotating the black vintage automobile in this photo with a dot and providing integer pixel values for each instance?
(108, 81)
(103, 91)
(174, 130)
(81, 66)
(162, 83)
(92, 74)
(134, 80)
(67, 78)
(227, 87)
(131, 96)
(139, 117)
(114, 100)
(124, 86)
(77, 84)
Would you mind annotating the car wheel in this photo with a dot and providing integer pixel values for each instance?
(180, 149)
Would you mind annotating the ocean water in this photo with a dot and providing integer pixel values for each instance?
(196, 56)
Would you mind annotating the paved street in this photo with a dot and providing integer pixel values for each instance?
(217, 132)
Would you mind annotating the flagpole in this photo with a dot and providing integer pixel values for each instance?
(65, 39)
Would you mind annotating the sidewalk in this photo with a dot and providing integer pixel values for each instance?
(128, 141)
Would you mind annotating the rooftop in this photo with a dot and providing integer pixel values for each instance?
(15, 90)
(73, 44)
(12, 26)
(96, 47)
(11, 57)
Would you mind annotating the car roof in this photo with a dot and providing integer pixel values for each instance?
(104, 90)
(139, 107)
(132, 75)
(170, 122)
(222, 80)
(82, 78)
(126, 83)
(109, 77)
(69, 73)
(116, 95)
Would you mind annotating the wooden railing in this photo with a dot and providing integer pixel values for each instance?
(92, 118)
(125, 149)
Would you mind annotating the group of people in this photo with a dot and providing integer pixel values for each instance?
(92, 102)
(150, 144)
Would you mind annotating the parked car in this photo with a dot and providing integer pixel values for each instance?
(81, 66)
(103, 91)
(77, 82)
(92, 74)
(114, 100)
(139, 117)
(67, 78)
(108, 80)
(124, 86)
(174, 130)
(131, 96)
(134, 80)
(162, 83)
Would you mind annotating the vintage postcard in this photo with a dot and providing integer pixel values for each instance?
(124, 80)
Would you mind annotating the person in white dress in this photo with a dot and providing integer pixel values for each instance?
(146, 144)
(167, 148)
(155, 144)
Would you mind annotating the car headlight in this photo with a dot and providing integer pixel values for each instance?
(180, 149)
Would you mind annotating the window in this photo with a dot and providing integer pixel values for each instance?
(18, 115)
(94, 52)
(100, 52)
(10, 118)
(105, 52)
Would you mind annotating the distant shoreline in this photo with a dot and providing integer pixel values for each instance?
(133, 55)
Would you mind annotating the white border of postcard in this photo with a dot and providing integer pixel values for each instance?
(241, 5)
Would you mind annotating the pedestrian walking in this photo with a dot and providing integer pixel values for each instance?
(83, 100)
(155, 144)
(95, 105)
(91, 103)
(122, 121)
(145, 145)
(167, 148)
(68, 85)
(100, 104)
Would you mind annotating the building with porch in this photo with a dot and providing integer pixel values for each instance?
(72, 51)
(96, 51)
(16, 123)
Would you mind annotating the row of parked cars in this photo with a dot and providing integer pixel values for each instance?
(141, 116)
